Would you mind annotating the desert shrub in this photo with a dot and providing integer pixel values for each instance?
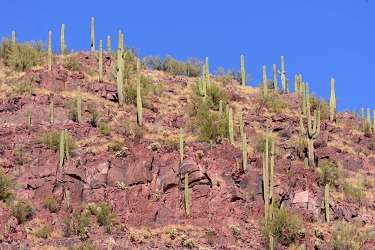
(330, 173)
(20, 157)
(93, 113)
(158, 88)
(25, 86)
(90, 245)
(118, 148)
(132, 129)
(299, 143)
(272, 102)
(352, 194)
(72, 63)
(284, 226)
(235, 229)
(211, 125)
(91, 72)
(227, 76)
(177, 68)
(21, 57)
(71, 105)
(154, 62)
(259, 143)
(51, 204)
(43, 232)
(187, 242)
(77, 223)
(52, 141)
(23, 211)
(104, 128)
(103, 215)
(6, 187)
(211, 236)
(347, 236)
(193, 67)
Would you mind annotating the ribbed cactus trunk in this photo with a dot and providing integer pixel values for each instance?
(66, 138)
(50, 50)
(109, 44)
(28, 116)
(51, 113)
(265, 90)
(221, 107)
(100, 61)
(230, 122)
(208, 82)
(62, 136)
(363, 119)
(139, 99)
(243, 73)
(274, 77)
(120, 81)
(62, 40)
(332, 101)
(13, 37)
(92, 35)
(244, 152)
(241, 121)
(181, 147)
(326, 201)
(187, 204)
(79, 105)
(282, 74)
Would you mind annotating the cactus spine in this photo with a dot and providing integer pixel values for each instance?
(28, 116)
(241, 121)
(62, 149)
(13, 37)
(282, 74)
(264, 81)
(51, 115)
(100, 61)
(109, 44)
(181, 147)
(326, 201)
(244, 152)
(62, 40)
(139, 99)
(312, 131)
(231, 133)
(274, 77)
(243, 74)
(187, 205)
(92, 35)
(50, 50)
(332, 101)
(66, 138)
(79, 105)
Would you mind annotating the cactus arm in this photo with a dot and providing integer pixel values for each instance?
(51, 112)
(301, 122)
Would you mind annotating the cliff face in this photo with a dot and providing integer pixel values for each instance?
(144, 183)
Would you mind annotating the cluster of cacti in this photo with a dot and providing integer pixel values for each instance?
(79, 105)
(92, 35)
(332, 101)
(50, 50)
(244, 152)
(265, 87)
(139, 99)
(366, 123)
(62, 40)
(100, 61)
(243, 73)
(51, 113)
(230, 122)
(28, 116)
(181, 147)
(109, 44)
(187, 204)
(282, 74)
(326, 201)
(298, 85)
(312, 130)
(274, 77)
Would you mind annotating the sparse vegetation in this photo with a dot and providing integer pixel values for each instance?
(43, 232)
(52, 141)
(22, 210)
(6, 187)
(104, 129)
(103, 214)
(72, 63)
(330, 173)
(77, 223)
(25, 86)
(51, 204)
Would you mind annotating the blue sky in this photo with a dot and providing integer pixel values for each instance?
(319, 39)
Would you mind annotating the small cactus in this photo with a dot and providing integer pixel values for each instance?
(92, 35)
(50, 50)
(66, 138)
(274, 77)
(207, 75)
(67, 198)
(13, 37)
(120, 92)
(51, 114)
(326, 201)
(332, 101)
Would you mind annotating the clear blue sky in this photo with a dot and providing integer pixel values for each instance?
(319, 39)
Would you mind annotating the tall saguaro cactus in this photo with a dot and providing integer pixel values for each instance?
(208, 83)
(51, 113)
(66, 138)
(79, 105)
(244, 152)
(326, 201)
(264, 81)
(187, 204)
(100, 61)
(241, 121)
(120, 81)
(62, 40)
(243, 74)
(231, 133)
(139, 99)
(332, 101)
(62, 139)
(274, 77)
(312, 130)
(50, 50)
(181, 147)
(92, 35)
(13, 37)
(28, 116)
(282, 74)
(268, 175)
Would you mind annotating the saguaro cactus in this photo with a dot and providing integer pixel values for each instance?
(79, 105)
(312, 131)
(66, 138)
(120, 92)
(28, 116)
(181, 147)
(243, 74)
(244, 152)
(282, 74)
(13, 37)
(51, 114)
(268, 175)
(264, 81)
(50, 50)
(241, 121)
(139, 99)
(274, 77)
(326, 201)
(231, 133)
(100, 61)
(62, 139)
(187, 204)
(109, 44)
(208, 82)
(62, 40)
(92, 35)
(332, 101)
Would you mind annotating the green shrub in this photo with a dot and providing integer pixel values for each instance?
(104, 129)
(259, 143)
(103, 214)
(91, 72)
(154, 62)
(51, 204)
(52, 141)
(19, 155)
(23, 211)
(187, 242)
(93, 113)
(347, 236)
(71, 105)
(272, 102)
(193, 67)
(72, 63)
(85, 246)
(284, 226)
(77, 223)
(132, 129)
(21, 57)
(229, 75)
(352, 194)
(330, 173)
(177, 68)
(25, 86)
(43, 232)
(211, 125)
(6, 187)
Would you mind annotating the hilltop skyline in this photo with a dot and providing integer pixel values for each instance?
(318, 40)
